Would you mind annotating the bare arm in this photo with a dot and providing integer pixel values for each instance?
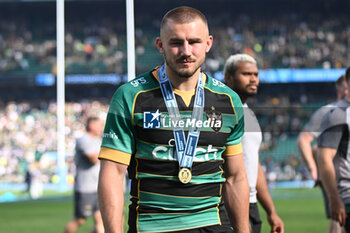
(93, 157)
(264, 198)
(325, 161)
(111, 195)
(304, 145)
(236, 193)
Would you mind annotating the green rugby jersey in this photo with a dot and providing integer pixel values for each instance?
(138, 133)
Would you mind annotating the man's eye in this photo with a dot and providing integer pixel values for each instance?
(194, 42)
(176, 43)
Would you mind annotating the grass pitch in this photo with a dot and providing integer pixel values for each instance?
(302, 211)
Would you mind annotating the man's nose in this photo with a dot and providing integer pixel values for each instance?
(186, 49)
(254, 78)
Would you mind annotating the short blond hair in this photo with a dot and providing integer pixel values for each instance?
(181, 15)
(231, 64)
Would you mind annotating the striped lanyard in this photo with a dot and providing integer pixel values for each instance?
(185, 149)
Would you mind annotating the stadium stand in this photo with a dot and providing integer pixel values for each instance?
(96, 41)
(279, 34)
(28, 134)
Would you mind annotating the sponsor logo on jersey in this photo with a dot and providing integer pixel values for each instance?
(138, 82)
(215, 119)
(110, 135)
(169, 153)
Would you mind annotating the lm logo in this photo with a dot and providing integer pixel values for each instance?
(151, 120)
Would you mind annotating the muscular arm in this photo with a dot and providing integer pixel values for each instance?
(325, 161)
(304, 145)
(264, 198)
(236, 193)
(111, 195)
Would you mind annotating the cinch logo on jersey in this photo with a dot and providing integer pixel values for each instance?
(155, 120)
(169, 153)
(110, 135)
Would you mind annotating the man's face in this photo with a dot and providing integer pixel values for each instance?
(245, 81)
(96, 127)
(184, 47)
(342, 90)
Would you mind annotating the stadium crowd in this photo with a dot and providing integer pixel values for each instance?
(28, 135)
(98, 44)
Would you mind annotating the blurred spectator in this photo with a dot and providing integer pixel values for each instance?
(28, 134)
(86, 178)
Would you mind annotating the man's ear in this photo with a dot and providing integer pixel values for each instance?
(209, 43)
(159, 45)
(229, 80)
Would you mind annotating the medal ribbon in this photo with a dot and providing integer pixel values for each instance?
(185, 149)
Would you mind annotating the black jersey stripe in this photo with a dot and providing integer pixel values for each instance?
(221, 102)
(162, 137)
(171, 168)
(150, 210)
(172, 188)
(152, 100)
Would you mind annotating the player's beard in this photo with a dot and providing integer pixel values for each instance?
(246, 94)
(182, 73)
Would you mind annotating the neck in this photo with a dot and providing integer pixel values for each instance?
(242, 97)
(181, 83)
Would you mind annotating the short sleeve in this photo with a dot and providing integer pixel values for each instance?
(314, 125)
(233, 143)
(118, 142)
(333, 128)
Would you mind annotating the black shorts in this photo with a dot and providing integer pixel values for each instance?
(85, 204)
(254, 218)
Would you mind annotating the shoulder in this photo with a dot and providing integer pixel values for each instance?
(83, 138)
(335, 116)
(140, 83)
(322, 111)
(127, 92)
(215, 86)
(248, 110)
(338, 111)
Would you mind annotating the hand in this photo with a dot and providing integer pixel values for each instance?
(338, 212)
(276, 223)
(314, 176)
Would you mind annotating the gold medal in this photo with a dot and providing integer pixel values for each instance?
(185, 175)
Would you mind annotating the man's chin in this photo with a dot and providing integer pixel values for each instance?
(184, 73)
(251, 94)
